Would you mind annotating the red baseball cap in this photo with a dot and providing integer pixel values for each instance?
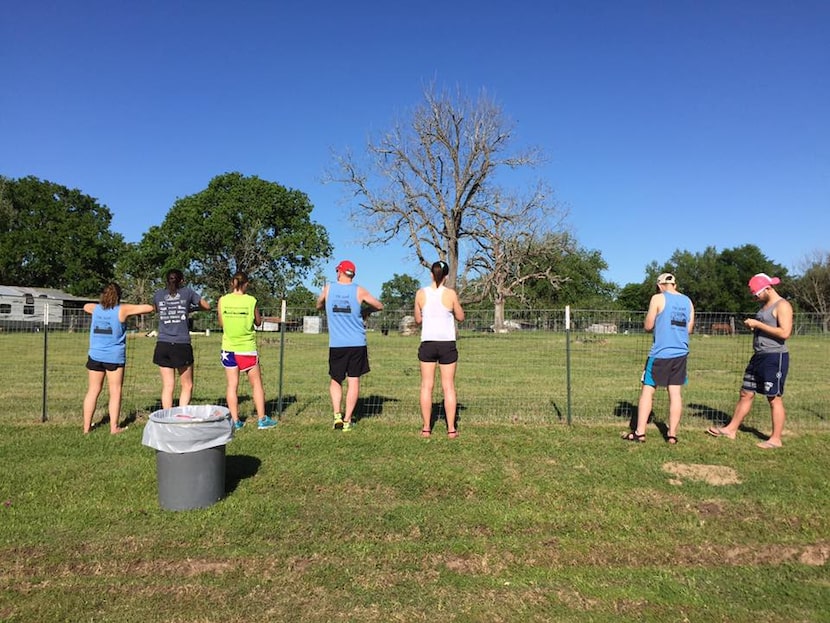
(346, 267)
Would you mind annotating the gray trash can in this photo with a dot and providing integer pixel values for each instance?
(190, 454)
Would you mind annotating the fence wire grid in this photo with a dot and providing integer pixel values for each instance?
(535, 372)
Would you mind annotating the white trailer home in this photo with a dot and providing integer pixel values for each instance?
(25, 309)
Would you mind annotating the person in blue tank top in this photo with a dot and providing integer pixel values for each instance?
(348, 355)
(671, 317)
(107, 353)
(767, 369)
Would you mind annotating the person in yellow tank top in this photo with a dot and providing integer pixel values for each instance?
(238, 317)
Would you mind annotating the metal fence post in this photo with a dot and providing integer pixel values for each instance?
(44, 415)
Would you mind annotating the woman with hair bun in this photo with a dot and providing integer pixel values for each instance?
(107, 354)
(437, 309)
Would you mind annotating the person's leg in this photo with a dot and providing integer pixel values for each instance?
(675, 410)
(427, 383)
(258, 391)
(779, 414)
(231, 392)
(450, 399)
(96, 382)
(168, 386)
(186, 381)
(352, 393)
(742, 409)
(336, 393)
(644, 410)
(115, 380)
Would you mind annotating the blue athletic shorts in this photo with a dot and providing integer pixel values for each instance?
(766, 373)
(665, 372)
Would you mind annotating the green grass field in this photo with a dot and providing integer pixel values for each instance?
(522, 518)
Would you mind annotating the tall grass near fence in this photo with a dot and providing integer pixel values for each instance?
(528, 375)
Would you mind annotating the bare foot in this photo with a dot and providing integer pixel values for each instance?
(768, 445)
(720, 432)
(117, 431)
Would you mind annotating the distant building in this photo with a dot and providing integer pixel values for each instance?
(29, 309)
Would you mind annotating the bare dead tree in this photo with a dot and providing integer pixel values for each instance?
(515, 243)
(431, 182)
(812, 289)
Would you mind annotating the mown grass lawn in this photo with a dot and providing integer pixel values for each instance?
(510, 522)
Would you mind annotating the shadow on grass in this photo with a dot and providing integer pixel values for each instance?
(238, 467)
(276, 407)
(370, 406)
(720, 418)
(628, 410)
(438, 413)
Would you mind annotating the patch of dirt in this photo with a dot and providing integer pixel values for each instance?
(715, 475)
(709, 509)
(813, 555)
(474, 564)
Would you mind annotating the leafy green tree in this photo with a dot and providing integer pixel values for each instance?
(139, 268)
(241, 223)
(580, 282)
(715, 281)
(300, 297)
(398, 294)
(635, 296)
(55, 237)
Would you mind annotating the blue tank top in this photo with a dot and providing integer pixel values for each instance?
(107, 337)
(343, 315)
(671, 328)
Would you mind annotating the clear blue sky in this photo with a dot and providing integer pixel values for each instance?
(668, 125)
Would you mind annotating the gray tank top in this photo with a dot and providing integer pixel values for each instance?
(763, 342)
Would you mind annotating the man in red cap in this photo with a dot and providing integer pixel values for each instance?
(348, 355)
(767, 369)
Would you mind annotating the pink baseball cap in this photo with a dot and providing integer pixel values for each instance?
(761, 282)
(346, 267)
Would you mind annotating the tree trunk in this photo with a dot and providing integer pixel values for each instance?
(498, 315)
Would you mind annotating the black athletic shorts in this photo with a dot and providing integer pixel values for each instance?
(352, 361)
(102, 366)
(442, 352)
(170, 355)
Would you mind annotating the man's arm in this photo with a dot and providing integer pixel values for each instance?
(321, 300)
(363, 296)
(655, 305)
(691, 325)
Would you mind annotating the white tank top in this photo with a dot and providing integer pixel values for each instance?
(438, 321)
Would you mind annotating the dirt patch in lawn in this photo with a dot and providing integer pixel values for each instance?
(715, 475)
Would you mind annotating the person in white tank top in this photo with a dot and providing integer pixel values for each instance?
(437, 309)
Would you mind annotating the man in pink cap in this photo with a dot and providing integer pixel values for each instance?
(767, 369)
(348, 355)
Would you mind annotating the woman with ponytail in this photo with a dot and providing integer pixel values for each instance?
(108, 352)
(174, 352)
(437, 309)
(238, 315)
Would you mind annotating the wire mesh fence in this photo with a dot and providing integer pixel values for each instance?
(537, 371)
